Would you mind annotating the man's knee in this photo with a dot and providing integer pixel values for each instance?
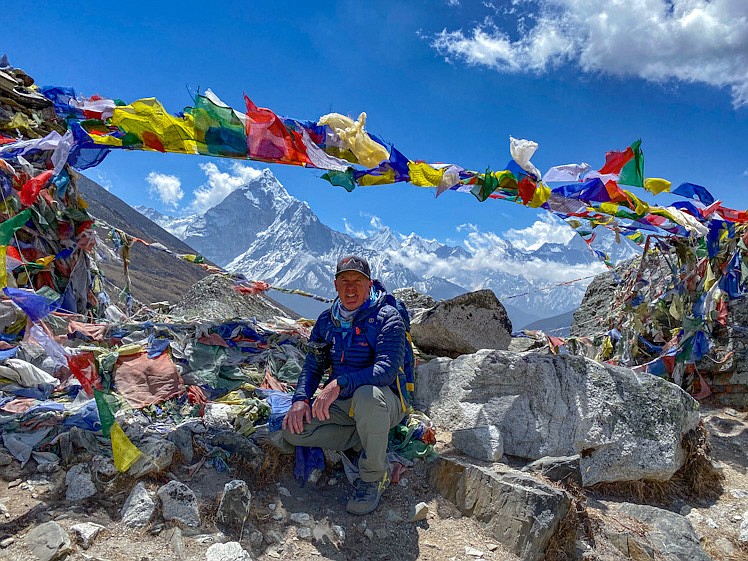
(369, 394)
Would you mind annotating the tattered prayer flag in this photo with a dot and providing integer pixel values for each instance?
(124, 452)
(342, 179)
(155, 127)
(692, 191)
(269, 140)
(614, 161)
(34, 305)
(632, 172)
(31, 189)
(657, 185)
(107, 405)
(423, 175)
(9, 227)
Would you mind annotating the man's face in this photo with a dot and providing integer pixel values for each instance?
(353, 288)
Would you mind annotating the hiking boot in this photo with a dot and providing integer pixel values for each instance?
(366, 495)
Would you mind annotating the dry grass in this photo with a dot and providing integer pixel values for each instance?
(697, 480)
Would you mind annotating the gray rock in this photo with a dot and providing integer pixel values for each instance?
(483, 443)
(234, 506)
(176, 541)
(625, 425)
(179, 503)
(158, 454)
(304, 533)
(79, 483)
(138, 508)
(524, 344)
(743, 532)
(563, 468)
(414, 301)
(519, 511)
(86, 532)
(230, 551)
(182, 439)
(671, 534)
(5, 458)
(302, 518)
(462, 325)
(252, 456)
(7, 542)
(48, 541)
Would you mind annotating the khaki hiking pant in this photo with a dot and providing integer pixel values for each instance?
(360, 422)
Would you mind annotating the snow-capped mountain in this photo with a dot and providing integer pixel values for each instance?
(265, 233)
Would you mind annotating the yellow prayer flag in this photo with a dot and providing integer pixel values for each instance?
(3, 274)
(609, 208)
(125, 452)
(382, 179)
(542, 194)
(423, 175)
(150, 122)
(710, 278)
(656, 185)
(44, 261)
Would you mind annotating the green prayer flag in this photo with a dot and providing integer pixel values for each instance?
(342, 179)
(633, 172)
(9, 227)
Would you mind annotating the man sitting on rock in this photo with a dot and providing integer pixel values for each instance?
(360, 402)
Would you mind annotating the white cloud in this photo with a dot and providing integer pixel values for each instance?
(493, 255)
(168, 188)
(452, 3)
(102, 179)
(547, 229)
(360, 234)
(221, 183)
(703, 41)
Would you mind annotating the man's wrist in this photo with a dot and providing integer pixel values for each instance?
(342, 380)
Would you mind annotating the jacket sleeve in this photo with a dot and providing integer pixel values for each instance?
(311, 372)
(388, 355)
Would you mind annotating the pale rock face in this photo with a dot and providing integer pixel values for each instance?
(624, 425)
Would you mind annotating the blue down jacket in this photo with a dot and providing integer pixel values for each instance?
(351, 356)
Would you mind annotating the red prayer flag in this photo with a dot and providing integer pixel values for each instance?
(269, 140)
(526, 190)
(614, 161)
(31, 189)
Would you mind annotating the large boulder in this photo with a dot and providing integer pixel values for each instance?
(519, 511)
(624, 425)
(463, 325)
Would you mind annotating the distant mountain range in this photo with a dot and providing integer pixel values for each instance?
(265, 233)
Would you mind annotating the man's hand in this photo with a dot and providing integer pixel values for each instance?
(321, 407)
(299, 413)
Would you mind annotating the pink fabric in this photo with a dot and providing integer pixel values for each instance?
(143, 381)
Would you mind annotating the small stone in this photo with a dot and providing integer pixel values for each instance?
(339, 532)
(393, 516)
(235, 502)
(685, 510)
(138, 508)
(231, 551)
(492, 547)
(473, 552)
(278, 516)
(711, 523)
(332, 481)
(274, 554)
(304, 533)
(743, 532)
(86, 532)
(403, 482)
(272, 506)
(79, 483)
(737, 518)
(420, 513)
(255, 538)
(15, 483)
(737, 493)
(179, 503)
(369, 534)
(7, 541)
(382, 533)
(283, 491)
(48, 541)
(302, 518)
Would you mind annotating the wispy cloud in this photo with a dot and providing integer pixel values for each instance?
(452, 3)
(168, 188)
(360, 234)
(704, 41)
(102, 179)
(220, 183)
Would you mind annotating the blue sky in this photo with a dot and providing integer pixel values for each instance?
(445, 81)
